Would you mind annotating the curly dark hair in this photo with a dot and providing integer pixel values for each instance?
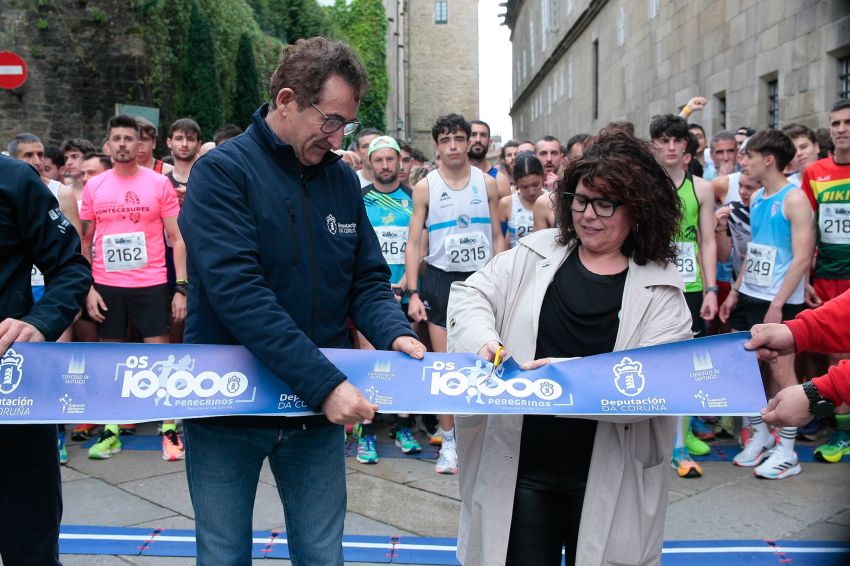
(306, 64)
(623, 168)
(450, 124)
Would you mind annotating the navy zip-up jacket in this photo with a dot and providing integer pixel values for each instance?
(279, 257)
(34, 231)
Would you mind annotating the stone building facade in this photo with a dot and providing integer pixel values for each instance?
(432, 65)
(76, 69)
(578, 64)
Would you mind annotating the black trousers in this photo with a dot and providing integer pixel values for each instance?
(30, 495)
(554, 460)
(546, 518)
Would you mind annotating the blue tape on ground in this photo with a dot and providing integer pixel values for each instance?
(171, 542)
(94, 540)
(426, 550)
(103, 540)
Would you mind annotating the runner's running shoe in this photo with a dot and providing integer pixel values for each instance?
(172, 446)
(810, 430)
(367, 451)
(404, 439)
(128, 429)
(83, 432)
(696, 446)
(447, 461)
(63, 451)
(107, 445)
(684, 466)
(837, 446)
(755, 452)
(780, 464)
(702, 429)
(724, 427)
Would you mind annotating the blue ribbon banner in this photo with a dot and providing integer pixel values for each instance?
(118, 383)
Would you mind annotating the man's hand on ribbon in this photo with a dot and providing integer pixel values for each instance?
(410, 346)
(790, 407)
(14, 330)
(346, 405)
(771, 341)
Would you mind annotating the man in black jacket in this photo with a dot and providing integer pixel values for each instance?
(33, 231)
(281, 256)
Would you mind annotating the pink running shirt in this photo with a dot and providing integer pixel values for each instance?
(129, 248)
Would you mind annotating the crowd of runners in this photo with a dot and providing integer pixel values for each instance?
(747, 252)
(764, 235)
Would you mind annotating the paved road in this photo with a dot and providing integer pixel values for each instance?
(401, 496)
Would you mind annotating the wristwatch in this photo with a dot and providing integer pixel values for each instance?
(818, 406)
(411, 292)
(712, 289)
(182, 287)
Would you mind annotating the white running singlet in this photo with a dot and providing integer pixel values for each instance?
(459, 229)
(521, 221)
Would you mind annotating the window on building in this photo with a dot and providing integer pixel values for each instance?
(773, 103)
(553, 13)
(844, 77)
(595, 79)
(621, 27)
(653, 8)
(441, 12)
(531, 40)
(721, 110)
(544, 27)
(569, 7)
(570, 79)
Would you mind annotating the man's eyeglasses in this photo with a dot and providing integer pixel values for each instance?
(603, 207)
(333, 123)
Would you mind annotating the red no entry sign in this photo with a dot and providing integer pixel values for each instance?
(13, 70)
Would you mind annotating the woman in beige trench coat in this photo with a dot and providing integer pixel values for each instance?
(618, 212)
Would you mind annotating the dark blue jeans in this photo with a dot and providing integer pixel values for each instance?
(223, 467)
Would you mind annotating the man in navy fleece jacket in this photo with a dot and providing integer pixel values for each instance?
(281, 254)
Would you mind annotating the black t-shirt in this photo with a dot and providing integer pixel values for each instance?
(579, 317)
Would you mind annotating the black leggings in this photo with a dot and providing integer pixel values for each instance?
(546, 517)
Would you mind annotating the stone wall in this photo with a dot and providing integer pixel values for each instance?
(654, 55)
(442, 66)
(83, 58)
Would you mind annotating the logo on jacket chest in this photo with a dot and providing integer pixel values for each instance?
(335, 227)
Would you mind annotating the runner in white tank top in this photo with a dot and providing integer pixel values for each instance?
(458, 205)
(516, 211)
(459, 225)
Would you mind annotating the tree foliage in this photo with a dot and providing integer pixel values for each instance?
(363, 25)
(204, 70)
(246, 92)
(203, 99)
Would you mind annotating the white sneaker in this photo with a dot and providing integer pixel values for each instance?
(755, 451)
(447, 462)
(780, 464)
